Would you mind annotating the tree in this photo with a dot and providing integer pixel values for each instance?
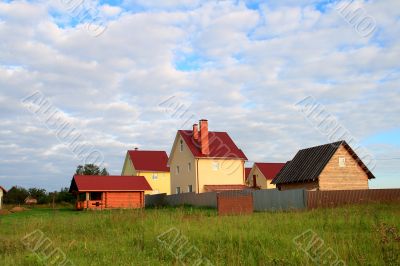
(16, 195)
(39, 194)
(90, 169)
(64, 196)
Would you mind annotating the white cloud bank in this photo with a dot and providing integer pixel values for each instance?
(242, 68)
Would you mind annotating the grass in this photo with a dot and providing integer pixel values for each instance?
(359, 235)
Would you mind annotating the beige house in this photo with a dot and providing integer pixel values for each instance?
(333, 166)
(2, 192)
(202, 160)
(262, 174)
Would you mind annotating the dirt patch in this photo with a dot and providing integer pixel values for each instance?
(4, 212)
(18, 209)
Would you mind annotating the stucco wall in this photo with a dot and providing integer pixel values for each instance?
(185, 177)
(230, 172)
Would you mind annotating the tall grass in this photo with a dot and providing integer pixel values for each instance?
(359, 235)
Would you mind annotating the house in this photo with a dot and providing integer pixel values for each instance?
(333, 166)
(262, 174)
(203, 160)
(152, 165)
(247, 174)
(108, 192)
(2, 193)
(30, 200)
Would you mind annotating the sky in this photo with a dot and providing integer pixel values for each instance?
(108, 76)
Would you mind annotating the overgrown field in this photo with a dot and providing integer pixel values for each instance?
(358, 235)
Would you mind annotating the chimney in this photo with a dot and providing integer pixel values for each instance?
(205, 149)
(136, 148)
(196, 132)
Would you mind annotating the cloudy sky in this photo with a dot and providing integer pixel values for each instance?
(121, 74)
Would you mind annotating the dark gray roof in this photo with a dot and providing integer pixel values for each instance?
(308, 163)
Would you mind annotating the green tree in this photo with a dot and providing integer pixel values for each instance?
(16, 195)
(90, 169)
(39, 194)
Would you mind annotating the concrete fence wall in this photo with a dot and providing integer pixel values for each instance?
(272, 199)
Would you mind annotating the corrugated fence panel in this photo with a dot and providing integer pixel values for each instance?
(154, 200)
(317, 199)
(208, 199)
(272, 199)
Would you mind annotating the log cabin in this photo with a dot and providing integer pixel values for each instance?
(109, 192)
(333, 166)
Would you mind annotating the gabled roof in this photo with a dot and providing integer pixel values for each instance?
(308, 163)
(108, 183)
(4, 190)
(247, 172)
(149, 160)
(221, 145)
(270, 170)
(219, 188)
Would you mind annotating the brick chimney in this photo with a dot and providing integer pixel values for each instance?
(196, 132)
(204, 145)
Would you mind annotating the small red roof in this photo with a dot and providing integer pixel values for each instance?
(247, 172)
(221, 145)
(149, 160)
(4, 190)
(109, 183)
(270, 170)
(217, 188)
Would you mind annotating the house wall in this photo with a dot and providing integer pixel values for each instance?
(110, 200)
(262, 182)
(350, 177)
(230, 172)
(302, 185)
(160, 185)
(182, 158)
(1, 197)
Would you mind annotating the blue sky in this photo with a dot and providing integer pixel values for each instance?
(107, 66)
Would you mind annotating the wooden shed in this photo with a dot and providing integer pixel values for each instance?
(109, 192)
(333, 166)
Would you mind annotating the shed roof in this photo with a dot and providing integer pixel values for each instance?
(221, 145)
(149, 160)
(308, 163)
(108, 183)
(270, 170)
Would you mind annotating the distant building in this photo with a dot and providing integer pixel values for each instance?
(152, 165)
(30, 200)
(262, 174)
(333, 166)
(2, 192)
(247, 174)
(203, 160)
(108, 192)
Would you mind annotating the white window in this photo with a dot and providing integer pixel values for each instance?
(189, 167)
(155, 176)
(177, 169)
(342, 162)
(181, 145)
(190, 188)
(178, 190)
(215, 166)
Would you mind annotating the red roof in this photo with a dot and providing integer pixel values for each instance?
(221, 145)
(247, 172)
(149, 160)
(109, 183)
(270, 170)
(216, 188)
(4, 190)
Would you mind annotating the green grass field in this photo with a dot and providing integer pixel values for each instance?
(358, 235)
